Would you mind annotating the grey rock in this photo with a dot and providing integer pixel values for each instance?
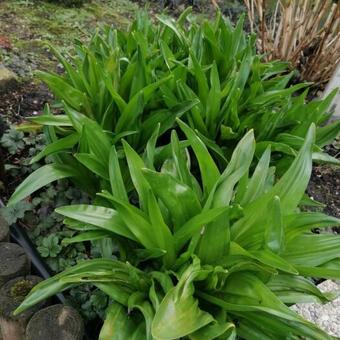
(327, 316)
(333, 84)
(8, 79)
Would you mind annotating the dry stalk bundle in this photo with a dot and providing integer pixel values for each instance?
(304, 32)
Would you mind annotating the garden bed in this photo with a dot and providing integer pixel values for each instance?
(36, 214)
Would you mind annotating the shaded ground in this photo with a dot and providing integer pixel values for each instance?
(26, 27)
(325, 183)
(25, 100)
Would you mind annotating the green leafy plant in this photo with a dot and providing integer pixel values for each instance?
(50, 246)
(122, 85)
(202, 257)
(11, 214)
(44, 227)
(12, 140)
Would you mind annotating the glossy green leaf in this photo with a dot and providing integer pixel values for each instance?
(39, 178)
(178, 314)
(101, 217)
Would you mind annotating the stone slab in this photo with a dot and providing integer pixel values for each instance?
(332, 84)
(327, 316)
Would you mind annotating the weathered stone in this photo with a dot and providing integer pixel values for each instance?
(12, 293)
(56, 322)
(4, 230)
(8, 79)
(13, 262)
(333, 84)
(327, 316)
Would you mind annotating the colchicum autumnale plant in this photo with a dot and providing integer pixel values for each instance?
(125, 83)
(220, 256)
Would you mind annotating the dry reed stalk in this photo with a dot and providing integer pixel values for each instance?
(304, 32)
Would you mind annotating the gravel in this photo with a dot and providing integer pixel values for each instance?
(327, 316)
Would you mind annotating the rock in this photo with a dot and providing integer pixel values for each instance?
(326, 317)
(4, 230)
(56, 322)
(333, 84)
(13, 262)
(12, 293)
(8, 79)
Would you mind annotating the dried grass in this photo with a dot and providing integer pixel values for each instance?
(304, 32)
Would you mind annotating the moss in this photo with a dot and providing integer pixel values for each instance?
(21, 289)
(31, 25)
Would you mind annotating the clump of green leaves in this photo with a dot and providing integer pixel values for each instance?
(13, 141)
(45, 227)
(222, 254)
(123, 84)
(93, 302)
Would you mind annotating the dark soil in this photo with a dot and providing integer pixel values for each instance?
(324, 185)
(325, 188)
(26, 100)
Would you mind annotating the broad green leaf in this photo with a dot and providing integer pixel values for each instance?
(64, 91)
(256, 185)
(197, 224)
(312, 250)
(178, 314)
(61, 145)
(57, 283)
(160, 230)
(137, 301)
(116, 179)
(218, 232)
(101, 217)
(171, 192)
(93, 164)
(326, 134)
(119, 325)
(290, 189)
(39, 178)
(322, 157)
(208, 168)
(274, 232)
(87, 236)
(52, 120)
(297, 289)
(136, 165)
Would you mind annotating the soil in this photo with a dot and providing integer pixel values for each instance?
(27, 99)
(325, 187)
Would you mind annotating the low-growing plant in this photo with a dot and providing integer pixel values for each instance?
(45, 227)
(219, 255)
(212, 63)
(124, 84)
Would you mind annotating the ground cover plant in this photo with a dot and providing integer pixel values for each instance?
(207, 74)
(44, 227)
(219, 254)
